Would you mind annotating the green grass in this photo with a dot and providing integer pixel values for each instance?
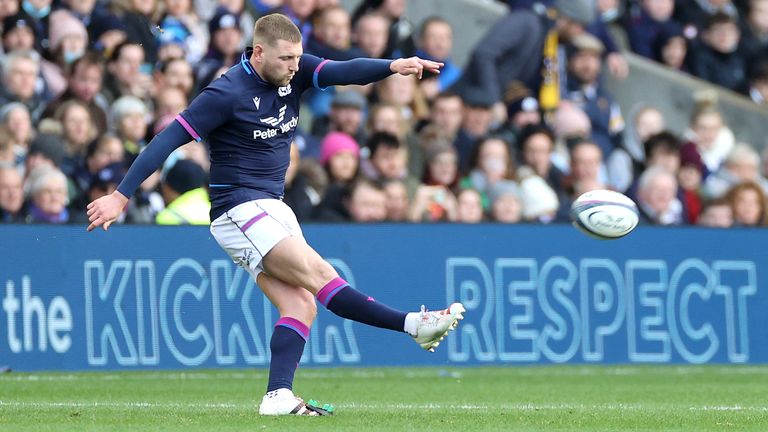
(567, 398)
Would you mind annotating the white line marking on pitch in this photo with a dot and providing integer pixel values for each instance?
(377, 406)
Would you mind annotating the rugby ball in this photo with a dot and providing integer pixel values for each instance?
(604, 214)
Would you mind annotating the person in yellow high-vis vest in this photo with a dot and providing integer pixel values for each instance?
(185, 196)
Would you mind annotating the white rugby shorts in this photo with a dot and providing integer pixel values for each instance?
(248, 231)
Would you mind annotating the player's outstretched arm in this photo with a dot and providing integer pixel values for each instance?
(414, 66)
(364, 71)
(105, 210)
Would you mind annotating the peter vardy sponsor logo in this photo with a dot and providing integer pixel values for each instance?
(270, 133)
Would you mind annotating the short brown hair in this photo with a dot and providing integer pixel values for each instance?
(271, 28)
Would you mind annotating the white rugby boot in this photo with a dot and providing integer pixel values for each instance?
(284, 402)
(433, 326)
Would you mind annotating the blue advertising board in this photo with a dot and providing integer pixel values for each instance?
(150, 297)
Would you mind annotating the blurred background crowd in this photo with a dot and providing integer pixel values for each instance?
(512, 136)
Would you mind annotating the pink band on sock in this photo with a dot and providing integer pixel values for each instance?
(331, 289)
(295, 325)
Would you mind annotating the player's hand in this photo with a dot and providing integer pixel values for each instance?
(414, 66)
(105, 210)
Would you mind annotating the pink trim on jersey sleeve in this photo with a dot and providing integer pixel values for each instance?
(183, 122)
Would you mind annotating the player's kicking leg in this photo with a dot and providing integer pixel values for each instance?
(293, 261)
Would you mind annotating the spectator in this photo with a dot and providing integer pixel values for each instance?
(127, 76)
(185, 195)
(47, 191)
(492, 161)
(475, 124)
(372, 34)
(331, 35)
(446, 114)
(79, 131)
(401, 41)
(397, 200)
(367, 201)
(469, 206)
(536, 146)
(511, 51)
(403, 92)
(389, 160)
(755, 30)
(695, 14)
(656, 199)
(68, 41)
(690, 176)
(571, 126)
(15, 118)
(182, 28)
(18, 33)
(170, 102)
(20, 71)
(300, 12)
(442, 165)
(670, 47)
(716, 213)
(224, 48)
(11, 196)
(436, 43)
(718, 59)
(664, 150)
(585, 173)
(138, 18)
(84, 83)
(586, 91)
(385, 117)
(104, 181)
(106, 150)
(742, 165)
(129, 118)
(748, 204)
(626, 163)
(505, 202)
(340, 156)
(346, 115)
(45, 150)
(175, 72)
(38, 12)
(646, 25)
(709, 135)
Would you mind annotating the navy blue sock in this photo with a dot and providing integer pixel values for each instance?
(349, 303)
(287, 345)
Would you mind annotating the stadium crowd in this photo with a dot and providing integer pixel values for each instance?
(513, 137)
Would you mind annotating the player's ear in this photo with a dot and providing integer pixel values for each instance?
(258, 51)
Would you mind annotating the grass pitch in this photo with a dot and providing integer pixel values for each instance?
(567, 398)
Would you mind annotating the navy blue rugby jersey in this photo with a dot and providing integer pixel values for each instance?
(249, 124)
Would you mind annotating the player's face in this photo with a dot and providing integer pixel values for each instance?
(280, 62)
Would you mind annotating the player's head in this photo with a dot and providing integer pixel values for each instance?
(276, 49)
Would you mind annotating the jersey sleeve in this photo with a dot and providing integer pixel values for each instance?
(321, 73)
(209, 110)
